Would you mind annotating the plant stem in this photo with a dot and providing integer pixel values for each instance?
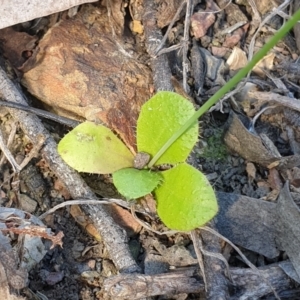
(230, 84)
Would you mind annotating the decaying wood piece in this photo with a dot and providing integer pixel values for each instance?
(260, 98)
(247, 283)
(84, 70)
(296, 6)
(215, 269)
(140, 286)
(248, 145)
(113, 236)
(250, 285)
(160, 65)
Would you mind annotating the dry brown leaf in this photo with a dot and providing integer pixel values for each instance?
(248, 145)
(265, 64)
(84, 221)
(237, 59)
(82, 71)
(125, 219)
(17, 47)
(294, 177)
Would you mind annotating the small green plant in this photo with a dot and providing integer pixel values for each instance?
(185, 199)
(167, 131)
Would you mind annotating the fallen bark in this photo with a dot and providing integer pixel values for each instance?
(215, 269)
(113, 236)
(159, 64)
(247, 284)
(85, 72)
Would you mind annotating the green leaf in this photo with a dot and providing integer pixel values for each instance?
(159, 119)
(186, 199)
(133, 183)
(94, 149)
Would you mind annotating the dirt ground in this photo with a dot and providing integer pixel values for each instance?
(100, 65)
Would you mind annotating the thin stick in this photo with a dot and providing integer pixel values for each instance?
(148, 227)
(169, 49)
(10, 140)
(216, 11)
(41, 113)
(198, 242)
(264, 21)
(163, 41)
(84, 202)
(120, 47)
(185, 64)
(8, 155)
(218, 256)
(34, 151)
(259, 114)
(256, 19)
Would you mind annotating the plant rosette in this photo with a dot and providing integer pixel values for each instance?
(185, 198)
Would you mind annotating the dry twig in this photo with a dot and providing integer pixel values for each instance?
(160, 65)
(8, 155)
(113, 236)
(185, 64)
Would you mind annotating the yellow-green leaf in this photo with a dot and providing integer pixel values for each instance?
(133, 183)
(94, 149)
(185, 200)
(159, 119)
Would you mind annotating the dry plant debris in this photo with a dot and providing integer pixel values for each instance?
(102, 81)
(101, 62)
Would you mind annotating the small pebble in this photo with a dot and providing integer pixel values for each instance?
(27, 204)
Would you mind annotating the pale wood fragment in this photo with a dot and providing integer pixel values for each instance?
(19, 11)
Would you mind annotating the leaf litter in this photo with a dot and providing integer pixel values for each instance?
(248, 207)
